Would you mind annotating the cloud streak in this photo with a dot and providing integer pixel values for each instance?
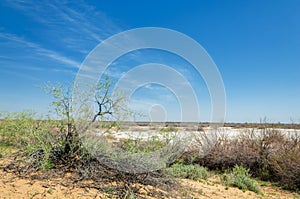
(39, 50)
(71, 32)
(87, 21)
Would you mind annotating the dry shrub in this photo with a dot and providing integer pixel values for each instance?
(286, 162)
(270, 154)
(226, 152)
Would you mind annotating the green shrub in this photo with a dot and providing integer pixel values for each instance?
(193, 172)
(240, 177)
(152, 144)
(23, 131)
(46, 164)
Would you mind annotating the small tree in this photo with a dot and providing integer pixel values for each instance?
(62, 105)
(106, 103)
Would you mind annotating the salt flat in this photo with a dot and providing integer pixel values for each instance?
(184, 130)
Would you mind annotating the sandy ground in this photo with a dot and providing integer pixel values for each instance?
(12, 186)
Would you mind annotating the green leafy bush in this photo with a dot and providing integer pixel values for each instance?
(152, 144)
(24, 131)
(193, 172)
(240, 177)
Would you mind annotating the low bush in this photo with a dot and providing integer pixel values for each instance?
(240, 177)
(153, 143)
(193, 172)
(23, 131)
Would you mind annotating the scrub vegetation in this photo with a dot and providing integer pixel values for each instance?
(53, 147)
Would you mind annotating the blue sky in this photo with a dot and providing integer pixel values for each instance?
(255, 44)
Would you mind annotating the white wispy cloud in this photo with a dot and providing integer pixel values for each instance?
(13, 39)
(15, 73)
(86, 23)
(74, 27)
